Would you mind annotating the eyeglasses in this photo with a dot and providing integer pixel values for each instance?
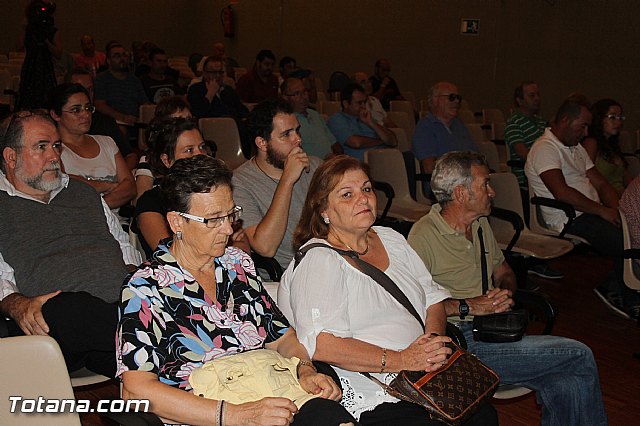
(616, 117)
(215, 222)
(452, 97)
(214, 72)
(76, 110)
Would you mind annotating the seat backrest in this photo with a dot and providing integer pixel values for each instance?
(630, 279)
(329, 107)
(466, 116)
(492, 115)
(402, 106)
(33, 367)
(404, 144)
(477, 132)
(507, 192)
(403, 120)
(489, 150)
(633, 165)
(224, 132)
(387, 165)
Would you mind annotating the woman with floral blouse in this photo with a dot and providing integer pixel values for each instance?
(197, 300)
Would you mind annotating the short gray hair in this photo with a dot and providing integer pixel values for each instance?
(12, 130)
(451, 170)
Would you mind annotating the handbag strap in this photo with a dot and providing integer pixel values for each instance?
(365, 267)
(483, 264)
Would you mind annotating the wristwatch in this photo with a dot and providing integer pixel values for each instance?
(463, 308)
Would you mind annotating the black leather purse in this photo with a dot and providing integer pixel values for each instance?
(497, 328)
(450, 394)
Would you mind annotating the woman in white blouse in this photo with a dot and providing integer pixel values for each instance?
(344, 317)
(94, 159)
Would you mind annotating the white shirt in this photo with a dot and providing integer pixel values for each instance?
(548, 153)
(326, 294)
(130, 255)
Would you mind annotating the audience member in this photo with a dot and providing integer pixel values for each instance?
(171, 107)
(559, 167)
(630, 207)
(441, 130)
(197, 293)
(42, 43)
(157, 83)
(272, 186)
(317, 139)
(219, 51)
(524, 127)
(102, 124)
(259, 83)
(378, 114)
(603, 144)
(383, 85)
(118, 93)
(63, 253)
(91, 159)
(212, 98)
(169, 140)
(354, 128)
(287, 66)
(454, 240)
(345, 318)
(90, 59)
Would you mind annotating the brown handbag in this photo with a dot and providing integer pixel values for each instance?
(450, 394)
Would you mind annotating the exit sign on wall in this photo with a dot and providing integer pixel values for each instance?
(470, 26)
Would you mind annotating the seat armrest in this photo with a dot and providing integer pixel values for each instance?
(513, 218)
(388, 192)
(541, 302)
(556, 204)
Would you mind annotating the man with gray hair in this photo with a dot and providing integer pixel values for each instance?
(454, 240)
(63, 254)
(441, 130)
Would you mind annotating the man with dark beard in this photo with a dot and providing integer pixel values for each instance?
(272, 186)
(63, 254)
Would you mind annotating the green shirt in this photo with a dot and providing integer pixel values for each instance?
(522, 129)
(454, 261)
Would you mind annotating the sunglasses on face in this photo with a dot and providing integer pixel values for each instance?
(452, 97)
(615, 117)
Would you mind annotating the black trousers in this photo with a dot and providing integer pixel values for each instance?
(84, 327)
(408, 414)
(322, 412)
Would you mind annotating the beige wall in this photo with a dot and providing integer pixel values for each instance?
(566, 45)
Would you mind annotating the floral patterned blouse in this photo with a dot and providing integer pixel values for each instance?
(169, 326)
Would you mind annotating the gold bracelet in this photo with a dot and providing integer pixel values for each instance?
(383, 361)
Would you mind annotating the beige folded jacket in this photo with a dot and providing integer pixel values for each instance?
(250, 376)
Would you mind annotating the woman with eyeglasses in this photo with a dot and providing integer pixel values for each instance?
(198, 300)
(93, 159)
(603, 144)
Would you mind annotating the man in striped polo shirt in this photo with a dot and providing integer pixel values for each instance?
(524, 126)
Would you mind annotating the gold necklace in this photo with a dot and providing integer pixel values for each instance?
(366, 250)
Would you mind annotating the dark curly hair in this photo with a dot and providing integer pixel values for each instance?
(195, 175)
(609, 148)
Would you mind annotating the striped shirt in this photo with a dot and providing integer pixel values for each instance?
(522, 129)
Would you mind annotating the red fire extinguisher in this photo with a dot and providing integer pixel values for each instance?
(228, 22)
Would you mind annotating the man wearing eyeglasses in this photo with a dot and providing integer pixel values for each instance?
(441, 131)
(317, 139)
(63, 254)
(559, 167)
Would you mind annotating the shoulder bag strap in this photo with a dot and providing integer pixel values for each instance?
(376, 274)
(483, 262)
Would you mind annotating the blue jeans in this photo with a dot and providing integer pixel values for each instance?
(561, 371)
